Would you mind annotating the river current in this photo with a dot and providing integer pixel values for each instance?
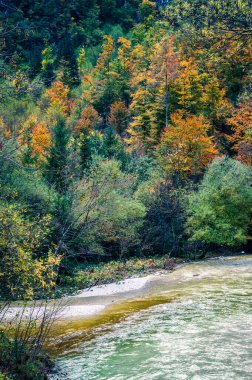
(195, 324)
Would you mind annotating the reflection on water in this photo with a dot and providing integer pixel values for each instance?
(197, 327)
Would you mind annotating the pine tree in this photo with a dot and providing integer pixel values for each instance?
(57, 161)
(85, 151)
(110, 143)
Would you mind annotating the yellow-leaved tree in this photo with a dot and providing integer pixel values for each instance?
(24, 271)
(150, 105)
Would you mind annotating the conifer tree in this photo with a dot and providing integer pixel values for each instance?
(57, 161)
(85, 150)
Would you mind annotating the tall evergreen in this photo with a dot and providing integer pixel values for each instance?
(57, 162)
(85, 151)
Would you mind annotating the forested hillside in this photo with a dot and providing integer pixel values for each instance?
(125, 145)
(125, 131)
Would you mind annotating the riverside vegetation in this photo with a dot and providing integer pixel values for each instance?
(125, 132)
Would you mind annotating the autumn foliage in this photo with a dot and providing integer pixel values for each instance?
(59, 97)
(185, 146)
(108, 130)
(34, 140)
(89, 119)
(241, 137)
(118, 116)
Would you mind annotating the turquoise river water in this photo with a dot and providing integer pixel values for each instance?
(193, 324)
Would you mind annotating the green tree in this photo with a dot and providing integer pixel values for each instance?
(47, 65)
(85, 150)
(110, 144)
(57, 161)
(106, 211)
(220, 212)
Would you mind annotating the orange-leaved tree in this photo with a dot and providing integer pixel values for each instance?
(185, 148)
(88, 120)
(118, 117)
(34, 140)
(58, 96)
(241, 138)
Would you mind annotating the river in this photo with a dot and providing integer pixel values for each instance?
(195, 323)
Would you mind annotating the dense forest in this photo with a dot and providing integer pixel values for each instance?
(125, 131)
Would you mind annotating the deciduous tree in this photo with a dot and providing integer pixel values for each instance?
(185, 147)
(241, 137)
(220, 212)
(34, 140)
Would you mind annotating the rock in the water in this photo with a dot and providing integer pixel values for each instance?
(169, 264)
